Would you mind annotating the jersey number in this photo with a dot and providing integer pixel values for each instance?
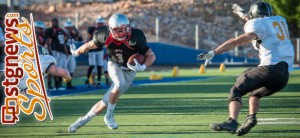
(280, 34)
(120, 58)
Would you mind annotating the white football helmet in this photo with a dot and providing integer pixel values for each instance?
(119, 27)
(39, 24)
(68, 24)
(100, 20)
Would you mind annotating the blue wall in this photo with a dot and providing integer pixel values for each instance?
(167, 54)
(179, 55)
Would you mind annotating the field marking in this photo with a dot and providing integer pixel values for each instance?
(273, 119)
(165, 83)
(136, 83)
(277, 121)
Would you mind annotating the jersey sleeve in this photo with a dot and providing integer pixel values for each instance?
(91, 30)
(49, 33)
(99, 38)
(256, 27)
(142, 47)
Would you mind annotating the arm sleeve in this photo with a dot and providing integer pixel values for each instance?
(98, 39)
(256, 27)
(142, 44)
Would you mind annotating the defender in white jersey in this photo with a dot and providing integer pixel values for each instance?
(269, 35)
(48, 66)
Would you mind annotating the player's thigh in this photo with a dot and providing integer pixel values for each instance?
(278, 80)
(99, 59)
(267, 90)
(116, 74)
(129, 77)
(92, 59)
(248, 81)
(46, 61)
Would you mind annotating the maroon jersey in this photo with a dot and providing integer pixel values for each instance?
(58, 40)
(120, 51)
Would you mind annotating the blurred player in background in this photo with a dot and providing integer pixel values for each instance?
(104, 68)
(121, 42)
(73, 35)
(269, 35)
(41, 40)
(1, 32)
(56, 42)
(40, 32)
(2, 56)
(95, 55)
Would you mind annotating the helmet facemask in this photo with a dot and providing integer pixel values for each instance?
(120, 33)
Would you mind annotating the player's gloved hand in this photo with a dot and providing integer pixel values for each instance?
(237, 9)
(73, 50)
(207, 56)
(137, 67)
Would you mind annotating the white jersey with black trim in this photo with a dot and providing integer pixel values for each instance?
(273, 41)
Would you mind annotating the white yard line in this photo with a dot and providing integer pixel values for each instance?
(276, 121)
(273, 119)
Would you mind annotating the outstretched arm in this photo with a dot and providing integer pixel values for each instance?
(234, 42)
(229, 44)
(84, 48)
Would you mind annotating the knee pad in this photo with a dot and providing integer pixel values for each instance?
(235, 95)
(238, 99)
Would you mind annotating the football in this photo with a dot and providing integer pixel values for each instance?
(139, 57)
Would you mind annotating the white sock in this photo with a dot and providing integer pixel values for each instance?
(111, 107)
(91, 114)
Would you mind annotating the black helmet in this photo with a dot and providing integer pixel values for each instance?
(260, 9)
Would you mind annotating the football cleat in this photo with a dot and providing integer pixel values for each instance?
(70, 87)
(110, 121)
(98, 85)
(51, 88)
(230, 125)
(249, 123)
(61, 88)
(79, 123)
(87, 83)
